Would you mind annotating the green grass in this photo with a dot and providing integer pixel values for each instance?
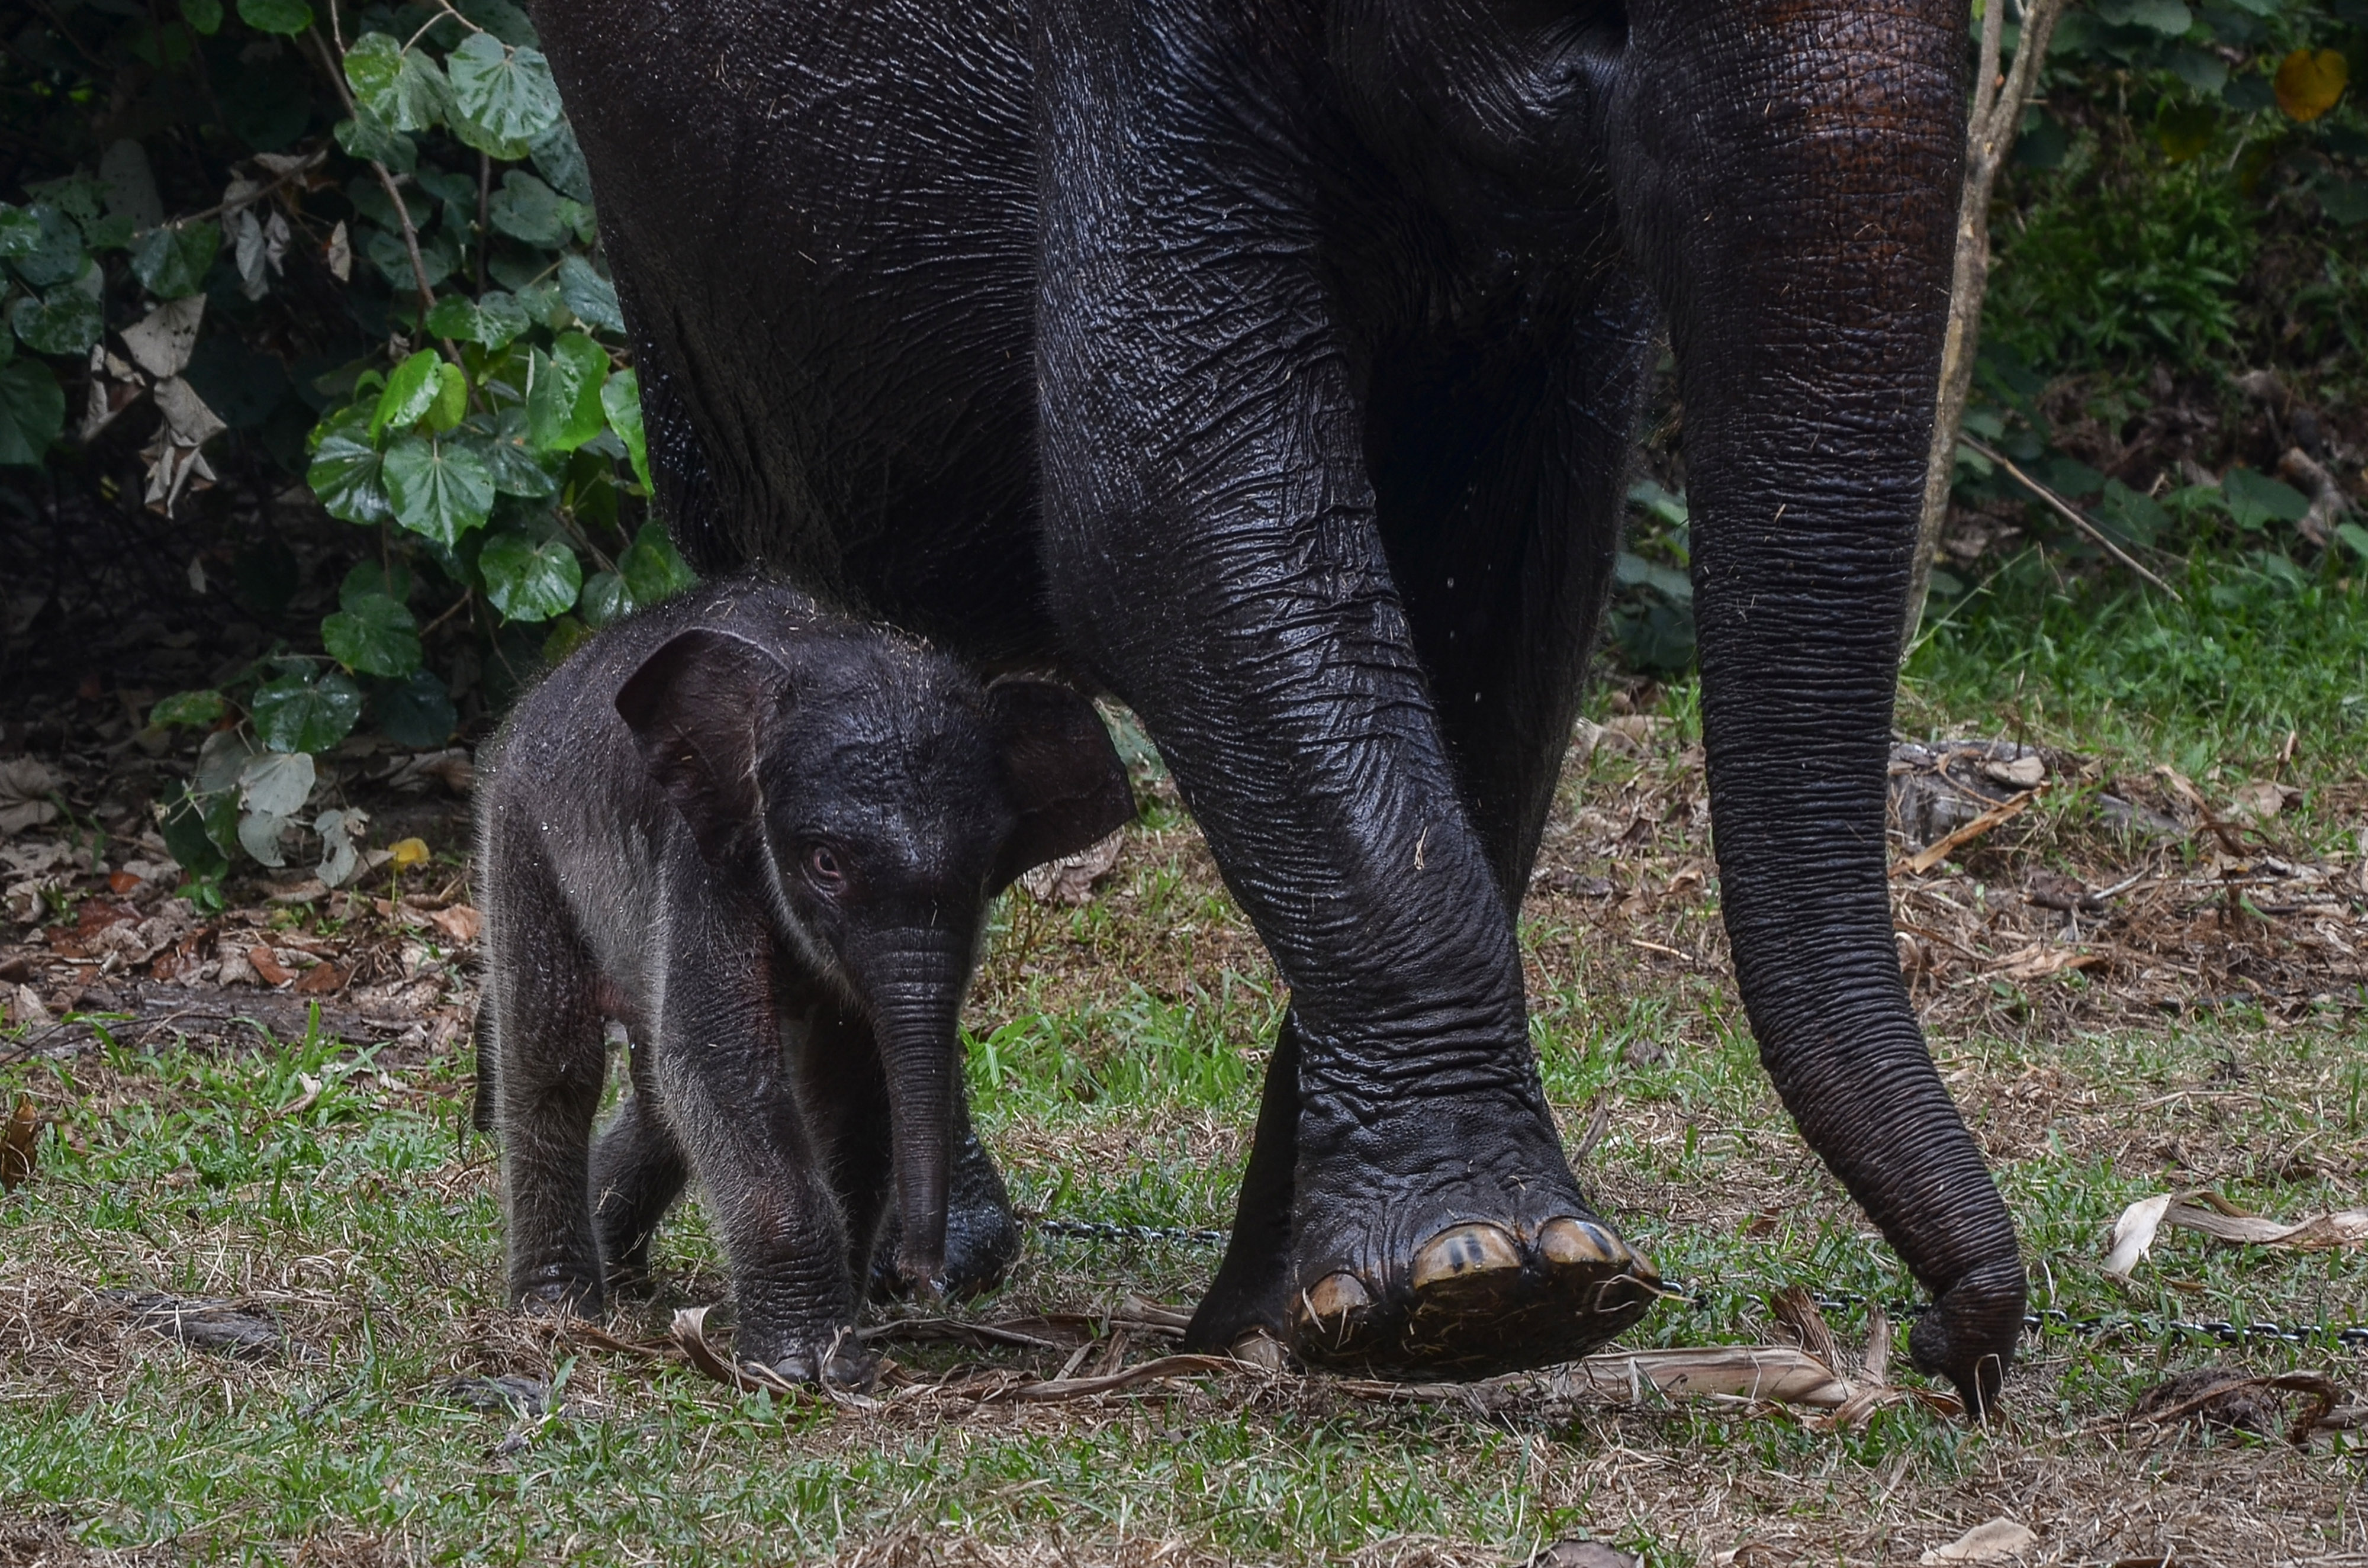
(2257, 650)
(1115, 1059)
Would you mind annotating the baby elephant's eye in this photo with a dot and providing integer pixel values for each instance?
(823, 867)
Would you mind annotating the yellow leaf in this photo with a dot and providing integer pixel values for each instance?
(2309, 84)
(408, 852)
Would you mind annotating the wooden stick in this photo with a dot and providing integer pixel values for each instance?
(2070, 512)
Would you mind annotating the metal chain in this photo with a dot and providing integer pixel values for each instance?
(2051, 1321)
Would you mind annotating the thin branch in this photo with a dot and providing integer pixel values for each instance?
(220, 208)
(2070, 512)
(385, 179)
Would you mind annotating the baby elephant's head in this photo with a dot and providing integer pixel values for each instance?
(874, 799)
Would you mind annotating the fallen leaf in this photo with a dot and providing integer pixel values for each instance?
(303, 1102)
(2041, 959)
(267, 966)
(1070, 879)
(1995, 1542)
(1577, 1554)
(460, 922)
(1933, 854)
(2261, 799)
(2133, 1235)
(2218, 1397)
(19, 1146)
(162, 341)
(2320, 1233)
(322, 979)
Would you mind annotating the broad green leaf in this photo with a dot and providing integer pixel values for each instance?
(494, 320)
(406, 89)
(440, 489)
(2256, 500)
(437, 257)
(198, 710)
(372, 635)
(287, 18)
(652, 568)
(512, 462)
(526, 209)
(368, 137)
(416, 712)
(509, 93)
(299, 713)
(32, 412)
(605, 598)
(526, 581)
(592, 296)
(562, 401)
(621, 398)
(368, 578)
(2185, 131)
(410, 392)
(172, 262)
(2355, 535)
(2344, 201)
(2168, 17)
(56, 253)
(560, 160)
(21, 232)
(451, 402)
(186, 837)
(346, 471)
(64, 321)
(204, 17)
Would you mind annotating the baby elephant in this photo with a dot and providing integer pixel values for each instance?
(765, 838)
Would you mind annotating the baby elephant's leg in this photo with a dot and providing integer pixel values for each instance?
(545, 1028)
(638, 1171)
(727, 1091)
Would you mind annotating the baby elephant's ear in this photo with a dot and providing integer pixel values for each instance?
(1065, 776)
(696, 706)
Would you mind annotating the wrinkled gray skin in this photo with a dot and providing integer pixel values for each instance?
(764, 837)
(1274, 365)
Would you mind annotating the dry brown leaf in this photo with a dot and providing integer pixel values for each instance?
(461, 923)
(2041, 959)
(2212, 1215)
(19, 1146)
(1070, 879)
(322, 979)
(1941, 849)
(1577, 1554)
(2218, 1397)
(267, 966)
(1997, 1542)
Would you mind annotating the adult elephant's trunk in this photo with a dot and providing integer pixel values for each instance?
(1789, 174)
(915, 994)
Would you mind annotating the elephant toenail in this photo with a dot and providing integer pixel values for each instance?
(1257, 1347)
(1568, 1243)
(1479, 1248)
(1335, 1296)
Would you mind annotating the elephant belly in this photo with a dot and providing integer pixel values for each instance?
(822, 221)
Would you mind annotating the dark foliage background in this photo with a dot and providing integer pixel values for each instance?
(318, 432)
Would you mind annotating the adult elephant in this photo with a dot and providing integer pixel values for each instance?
(1273, 365)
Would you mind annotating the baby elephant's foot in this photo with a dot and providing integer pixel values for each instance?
(843, 1361)
(551, 1293)
(1494, 1264)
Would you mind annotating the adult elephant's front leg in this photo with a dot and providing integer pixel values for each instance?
(1212, 544)
(1789, 170)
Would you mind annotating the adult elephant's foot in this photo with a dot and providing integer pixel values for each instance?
(1453, 1241)
(982, 1232)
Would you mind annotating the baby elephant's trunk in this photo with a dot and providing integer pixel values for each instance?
(917, 999)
